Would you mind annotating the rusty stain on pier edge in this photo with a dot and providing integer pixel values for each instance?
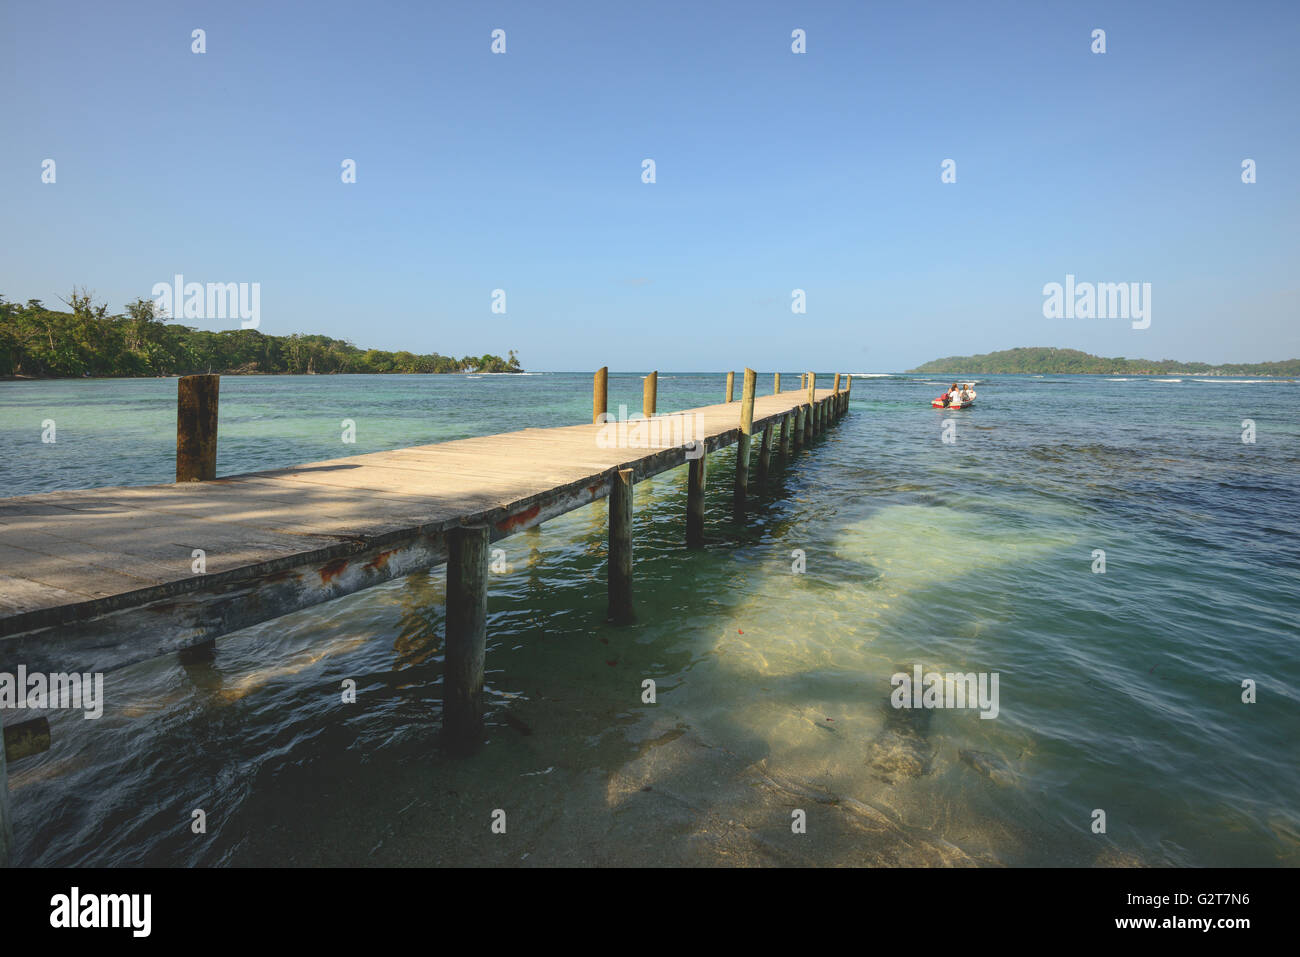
(333, 570)
(379, 562)
(508, 525)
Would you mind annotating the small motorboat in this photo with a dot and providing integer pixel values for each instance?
(966, 401)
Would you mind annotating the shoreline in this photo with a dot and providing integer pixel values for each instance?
(134, 378)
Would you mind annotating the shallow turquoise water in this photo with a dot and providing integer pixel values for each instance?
(1118, 691)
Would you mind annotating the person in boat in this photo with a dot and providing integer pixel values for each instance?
(954, 395)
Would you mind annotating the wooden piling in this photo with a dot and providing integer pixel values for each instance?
(620, 547)
(810, 426)
(787, 427)
(746, 437)
(196, 427)
(764, 456)
(650, 394)
(466, 641)
(6, 822)
(600, 394)
(696, 480)
(731, 387)
(776, 384)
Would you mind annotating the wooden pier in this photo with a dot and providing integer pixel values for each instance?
(99, 579)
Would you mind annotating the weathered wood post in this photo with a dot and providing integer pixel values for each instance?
(787, 427)
(466, 643)
(650, 394)
(776, 384)
(695, 482)
(600, 394)
(6, 823)
(746, 433)
(835, 401)
(619, 580)
(764, 455)
(196, 427)
(810, 424)
(848, 391)
(798, 427)
(731, 387)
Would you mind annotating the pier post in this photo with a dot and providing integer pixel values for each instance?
(600, 394)
(798, 427)
(650, 394)
(787, 423)
(776, 384)
(835, 401)
(746, 434)
(466, 642)
(6, 823)
(810, 423)
(764, 456)
(620, 547)
(696, 480)
(731, 387)
(196, 427)
(848, 391)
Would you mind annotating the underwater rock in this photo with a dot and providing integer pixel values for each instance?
(903, 748)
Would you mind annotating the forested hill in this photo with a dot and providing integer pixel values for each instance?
(1041, 359)
(40, 342)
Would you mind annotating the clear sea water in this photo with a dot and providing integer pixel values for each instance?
(1119, 691)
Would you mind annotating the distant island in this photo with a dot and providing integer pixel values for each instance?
(36, 342)
(1045, 360)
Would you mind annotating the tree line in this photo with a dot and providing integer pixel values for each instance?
(86, 341)
(1040, 359)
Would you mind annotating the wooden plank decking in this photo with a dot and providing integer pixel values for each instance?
(93, 580)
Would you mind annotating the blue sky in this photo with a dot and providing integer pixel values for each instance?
(775, 171)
